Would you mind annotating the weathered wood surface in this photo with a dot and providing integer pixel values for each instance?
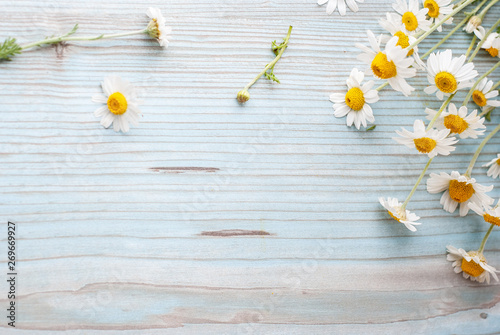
(212, 217)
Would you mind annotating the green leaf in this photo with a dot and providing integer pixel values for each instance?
(9, 48)
(488, 116)
(371, 128)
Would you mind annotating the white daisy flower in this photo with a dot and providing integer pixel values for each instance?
(156, 27)
(121, 104)
(483, 94)
(458, 122)
(472, 264)
(354, 102)
(438, 9)
(447, 74)
(404, 216)
(473, 23)
(494, 170)
(413, 18)
(404, 40)
(490, 215)
(431, 142)
(391, 64)
(333, 4)
(492, 43)
(459, 189)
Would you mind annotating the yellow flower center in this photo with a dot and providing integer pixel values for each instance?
(393, 216)
(433, 8)
(117, 104)
(498, 161)
(491, 219)
(492, 51)
(460, 191)
(355, 99)
(153, 29)
(410, 21)
(424, 144)
(472, 268)
(404, 41)
(455, 123)
(382, 68)
(479, 98)
(446, 82)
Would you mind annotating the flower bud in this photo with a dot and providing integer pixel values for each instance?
(473, 23)
(243, 96)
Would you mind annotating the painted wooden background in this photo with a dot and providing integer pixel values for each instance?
(216, 218)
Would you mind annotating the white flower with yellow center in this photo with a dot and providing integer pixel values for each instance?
(156, 27)
(396, 211)
(404, 40)
(458, 122)
(492, 42)
(390, 64)
(431, 142)
(447, 74)
(354, 102)
(341, 4)
(490, 215)
(438, 9)
(472, 264)
(121, 107)
(473, 23)
(483, 94)
(459, 189)
(411, 16)
(494, 170)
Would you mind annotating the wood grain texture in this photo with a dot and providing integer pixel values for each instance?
(216, 218)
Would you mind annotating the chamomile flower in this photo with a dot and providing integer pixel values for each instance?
(458, 122)
(459, 189)
(472, 264)
(473, 23)
(490, 215)
(492, 42)
(390, 64)
(438, 9)
(355, 101)
(494, 170)
(404, 40)
(333, 4)
(483, 94)
(430, 142)
(413, 18)
(396, 211)
(156, 27)
(447, 74)
(121, 107)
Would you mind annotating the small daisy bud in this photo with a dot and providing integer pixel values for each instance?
(243, 96)
(473, 23)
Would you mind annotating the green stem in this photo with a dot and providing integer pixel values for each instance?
(416, 184)
(53, 40)
(427, 33)
(469, 49)
(480, 44)
(271, 65)
(487, 8)
(443, 106)
(478, 151)
(483, 242)
(382, 86)
(471, 91)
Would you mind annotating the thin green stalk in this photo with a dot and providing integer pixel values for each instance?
(478, 151)
(471, 91)
(480, 44)
(66, 37)
(469, 49)
(483, 242)
(416, 184)
(427, 33)
(270, 65)
(382, 86)
(487, 8)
